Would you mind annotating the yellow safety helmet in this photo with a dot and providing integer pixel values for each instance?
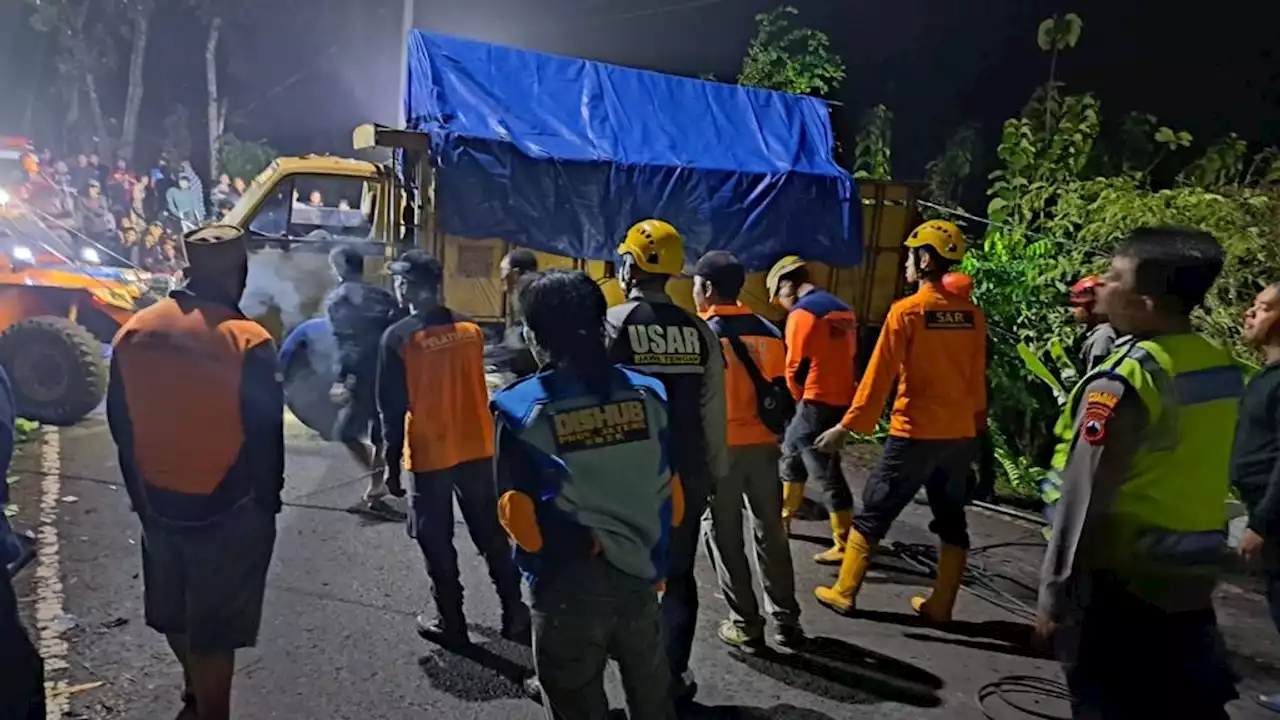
(656, 247)
(942, 236)
(780, 268)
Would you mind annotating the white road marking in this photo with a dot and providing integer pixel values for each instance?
(48, 582)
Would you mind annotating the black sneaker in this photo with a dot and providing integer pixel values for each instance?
(440, 631)
(790, 637)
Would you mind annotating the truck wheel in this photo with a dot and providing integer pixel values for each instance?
(57, 368)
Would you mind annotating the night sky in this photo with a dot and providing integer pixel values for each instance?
(303, 72)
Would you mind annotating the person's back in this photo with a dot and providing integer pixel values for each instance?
(589, 497)
(604, 448)
(181, 365)
(821, 349)
(939, 361)
(434, 412)
(441, 370)
(196, 408)
(655, 336)
(755, 359)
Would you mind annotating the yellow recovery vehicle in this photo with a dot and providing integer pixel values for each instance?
(508, 148)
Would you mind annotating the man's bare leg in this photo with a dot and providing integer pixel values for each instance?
(178, 644)
(211, 676)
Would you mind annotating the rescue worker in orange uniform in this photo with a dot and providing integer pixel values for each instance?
(434, 407)
(821, 335)
(196, 408)
(753, 463)
(935, 344)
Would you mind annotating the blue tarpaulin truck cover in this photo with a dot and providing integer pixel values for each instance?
(563, 155)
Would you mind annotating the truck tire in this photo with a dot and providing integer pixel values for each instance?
(57, 368)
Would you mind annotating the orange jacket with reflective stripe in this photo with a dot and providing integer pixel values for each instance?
(764, 343)
(935, 344)
(822, 348)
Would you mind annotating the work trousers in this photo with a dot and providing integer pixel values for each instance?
(431, 525)
(584, 615)
(801, 460)
(941, 466)
(21, 670)
(1125, 658)
(753, 477)
(680, 602)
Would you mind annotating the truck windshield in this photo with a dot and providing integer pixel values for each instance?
(252, 195)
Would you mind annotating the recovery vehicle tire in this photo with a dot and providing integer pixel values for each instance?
(57, 368)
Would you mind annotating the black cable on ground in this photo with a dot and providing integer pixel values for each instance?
(1031, 686)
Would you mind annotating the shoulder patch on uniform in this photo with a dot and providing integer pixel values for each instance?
(949, 319)
(1093, 424)
(1101, 399)
(600, 426)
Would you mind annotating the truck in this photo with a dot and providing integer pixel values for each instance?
(505, 148)
(59, 306)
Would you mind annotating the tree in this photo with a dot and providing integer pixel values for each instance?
(1054, 35)
(138, 31)
(872, 150)
(243, 158)
(794, 60)
(945, 175)
(84, 48)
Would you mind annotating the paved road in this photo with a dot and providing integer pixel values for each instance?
(338, 638)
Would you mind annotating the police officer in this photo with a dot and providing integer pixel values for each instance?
(933, 347)
(822, 349)
(196, 408)
(1101, 338)
(434, 406)
(586, 504)
(652, 334)
(358, 314)
(1140, 530)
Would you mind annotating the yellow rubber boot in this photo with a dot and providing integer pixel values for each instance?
(937, 607)
(841, 524)
(857, 558)
(792, 499)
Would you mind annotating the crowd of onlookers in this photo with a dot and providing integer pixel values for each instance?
(137, 217)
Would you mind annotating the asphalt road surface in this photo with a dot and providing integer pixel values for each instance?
(338, 636)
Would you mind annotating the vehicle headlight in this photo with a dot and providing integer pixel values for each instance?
(4, 197)
(90, 255)
(23, 254)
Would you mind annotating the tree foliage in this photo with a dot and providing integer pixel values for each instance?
(1057, 213)
(873, 145)
(945, 175)
(243, 158)
(790, 59)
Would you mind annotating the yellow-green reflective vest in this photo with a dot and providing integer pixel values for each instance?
(1172, 507)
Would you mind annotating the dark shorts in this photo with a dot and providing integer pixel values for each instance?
(209, 583)
(358, 419)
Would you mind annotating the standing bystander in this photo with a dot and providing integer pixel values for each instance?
(1255, 466)
(196, 408)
